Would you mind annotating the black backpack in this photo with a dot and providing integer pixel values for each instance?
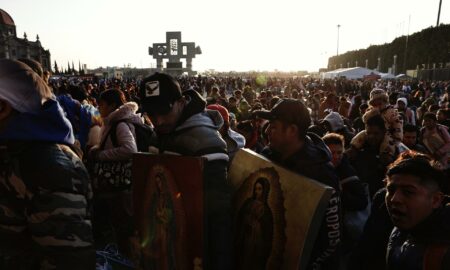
(145, 135)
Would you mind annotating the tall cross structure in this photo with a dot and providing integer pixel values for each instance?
(174, 50)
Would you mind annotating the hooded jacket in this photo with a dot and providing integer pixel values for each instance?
(197, 134)
(45, 195)
(406, 249)
(47, 125)
(235, 141)
(197, 131)
(313, 160)
(125, 133)
(83, 117)
(409, 114)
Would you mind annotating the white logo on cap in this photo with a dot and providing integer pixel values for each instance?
(152, 89)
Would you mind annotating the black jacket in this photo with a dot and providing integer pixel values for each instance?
(370, 251)
(314, 161)
(406, 249)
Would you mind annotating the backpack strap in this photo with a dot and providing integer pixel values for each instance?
(112, 132)
(434, 256)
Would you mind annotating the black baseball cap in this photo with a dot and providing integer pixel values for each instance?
(289, 111)
(158, 93)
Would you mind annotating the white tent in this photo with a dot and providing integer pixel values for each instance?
(349, 73)
(402, 76)
(387, 76)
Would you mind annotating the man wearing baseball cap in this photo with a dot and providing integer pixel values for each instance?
(305, 153)
(44, 187)
(184, 127)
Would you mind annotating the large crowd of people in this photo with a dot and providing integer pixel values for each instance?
(383, 146)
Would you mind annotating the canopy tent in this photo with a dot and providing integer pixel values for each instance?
(402, 76)
(349, 73)
(387, 76)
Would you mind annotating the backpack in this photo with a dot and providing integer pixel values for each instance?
(145, 135)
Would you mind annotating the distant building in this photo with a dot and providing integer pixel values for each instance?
(12, 47)
(121, 73)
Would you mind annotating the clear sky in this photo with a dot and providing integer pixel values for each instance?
(240, 35)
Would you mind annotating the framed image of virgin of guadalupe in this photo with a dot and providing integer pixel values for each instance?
(168, 210)
(278, 213)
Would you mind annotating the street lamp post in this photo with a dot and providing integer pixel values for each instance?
(337, 50)
(439, 13)
(394, 66)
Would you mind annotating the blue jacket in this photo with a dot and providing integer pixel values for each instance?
(48, 125)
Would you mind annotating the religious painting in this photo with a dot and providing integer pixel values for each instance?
(168, 205)
(260, 211)
(277, 213)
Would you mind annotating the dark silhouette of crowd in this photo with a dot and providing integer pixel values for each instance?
(382, 145)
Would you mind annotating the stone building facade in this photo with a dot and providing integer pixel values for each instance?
(12, 47)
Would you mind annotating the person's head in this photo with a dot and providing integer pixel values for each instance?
(442, 114)
(46, 75)
(363, 108)
(263, 94)
(21, 90)
(333, 122)
(34, 65)
(274, 101)
(232, 101)
(375, 130)
(378, 98)
(261, 189)
(414, 189)
(222, 101)
(78, 92)
(429, 120)
(335, 143)
(237, 94)
(393, 98)
(246, 128)
(225, 115)
(433, 108)
(289, 122)
(210, 100)
(243, 106)
(257, 106)
(410, 135)
(402, 103)
(109, 101)
(162, 100)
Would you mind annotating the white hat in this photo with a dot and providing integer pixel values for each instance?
(404, 100)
